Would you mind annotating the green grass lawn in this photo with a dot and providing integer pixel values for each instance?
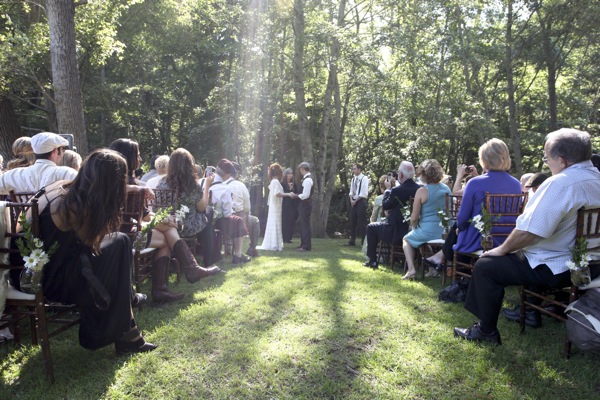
(307, 326)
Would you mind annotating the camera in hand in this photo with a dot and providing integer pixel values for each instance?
(468, 170)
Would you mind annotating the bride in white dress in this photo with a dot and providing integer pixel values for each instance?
(273, 239)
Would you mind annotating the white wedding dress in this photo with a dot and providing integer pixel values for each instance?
(273, 239)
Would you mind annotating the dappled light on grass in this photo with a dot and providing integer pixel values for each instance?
(319, 325)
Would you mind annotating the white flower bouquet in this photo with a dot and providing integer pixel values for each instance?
(579, 263)
(34, 255)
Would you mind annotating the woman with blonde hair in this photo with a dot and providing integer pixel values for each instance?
(23, 153)
(424, 218)
(273, 239)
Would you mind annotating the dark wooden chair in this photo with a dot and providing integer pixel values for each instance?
(588, 227)
(131, 224)
(452, 205)
(19, 306)
(496, 205)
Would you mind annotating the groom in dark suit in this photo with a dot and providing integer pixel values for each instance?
(393, 229)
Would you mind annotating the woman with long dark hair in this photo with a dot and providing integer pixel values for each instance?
(182, 176)
(83, 216)
(164, 237)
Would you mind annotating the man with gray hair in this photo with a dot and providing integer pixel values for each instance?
(393, 229)
(537, 250)
(305, 207)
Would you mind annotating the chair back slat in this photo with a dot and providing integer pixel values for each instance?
(500, 206)
(452, 206)
(588, 227)
(165, 198)
(133, 213)
(13, 212)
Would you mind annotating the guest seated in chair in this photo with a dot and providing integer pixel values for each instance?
(494, 157)
(164, 237)
(393, 229)
(181, 175)
(424, 218)
(537, 250)
(82, 222)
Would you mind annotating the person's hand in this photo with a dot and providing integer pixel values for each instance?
(148, 193)
(495, 252)
(210, 179)
(387, 184)
(352, 202)
(473, 171)
(461, 171)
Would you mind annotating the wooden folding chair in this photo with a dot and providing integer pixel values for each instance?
(452, 205)
(588, 227)
(131, 224)
(496, 205)
(21, 305)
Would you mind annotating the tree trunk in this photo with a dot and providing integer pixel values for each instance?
(512, 107)
(9, 128)
(65, 76)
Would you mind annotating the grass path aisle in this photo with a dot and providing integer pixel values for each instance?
(309, 326)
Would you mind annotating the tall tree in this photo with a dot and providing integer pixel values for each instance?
(65, 73)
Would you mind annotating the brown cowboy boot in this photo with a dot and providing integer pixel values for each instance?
(160, 277)
(193, 272)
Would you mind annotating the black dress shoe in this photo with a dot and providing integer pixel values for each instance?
(532, 317)
(371, 264)
(475, 334)
(429, 264)
(350, 244)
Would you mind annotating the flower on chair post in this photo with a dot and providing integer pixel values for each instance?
(483, 222)
(34, 256)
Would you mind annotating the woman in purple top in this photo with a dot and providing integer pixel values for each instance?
(494, 157)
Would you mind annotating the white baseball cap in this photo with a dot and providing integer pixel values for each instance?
(45, 142)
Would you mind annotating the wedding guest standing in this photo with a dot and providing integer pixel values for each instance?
(273, 239)
(289, 207)
(359, 191)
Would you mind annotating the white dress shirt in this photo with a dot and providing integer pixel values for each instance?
(359, 187)
(33, 178)
(307, 184)
(240, 195)
(551, 213)
(220, 195)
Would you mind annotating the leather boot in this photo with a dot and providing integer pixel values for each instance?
(160, 277)
(193, 272)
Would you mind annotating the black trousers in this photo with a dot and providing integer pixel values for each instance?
(289, 215)
(358, 220)
(376, 232)
(492, 274)
(304, 211)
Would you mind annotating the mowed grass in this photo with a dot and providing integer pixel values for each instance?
(313, 325)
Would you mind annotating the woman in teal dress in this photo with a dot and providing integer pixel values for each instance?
(424, 219)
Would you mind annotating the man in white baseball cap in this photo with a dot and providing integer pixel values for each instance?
(48, 148)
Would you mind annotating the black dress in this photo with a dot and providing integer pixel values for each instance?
(289, 213)
(101, 323)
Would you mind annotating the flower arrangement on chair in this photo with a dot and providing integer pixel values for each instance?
(483, 223)
(34, 255)
(406, 212)
(444, 223)
(579, 263)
